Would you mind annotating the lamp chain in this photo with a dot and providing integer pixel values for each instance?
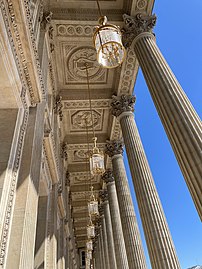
(99, 9)
(90, 102)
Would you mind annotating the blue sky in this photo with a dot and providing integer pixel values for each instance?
(179, 37)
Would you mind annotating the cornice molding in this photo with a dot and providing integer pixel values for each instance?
(24, 52)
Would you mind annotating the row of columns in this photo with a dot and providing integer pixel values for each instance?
(122, 234)
(184, 130)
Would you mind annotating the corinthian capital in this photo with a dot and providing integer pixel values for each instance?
(122, 104)
(114, 147)
(133, 26)
(103, 195)
(101, 210)
(108, 176)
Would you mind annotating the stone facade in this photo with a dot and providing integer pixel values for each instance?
(46, 136)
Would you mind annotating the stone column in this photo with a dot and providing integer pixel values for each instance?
(119, 244)
(110, 239)
(180, 120)
(104, 236)
(134, 248)
(96, 251)
(23, 227)
(102, 250)
(97, 260)
(160, 246)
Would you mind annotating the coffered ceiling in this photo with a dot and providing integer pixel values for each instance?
(73, 23)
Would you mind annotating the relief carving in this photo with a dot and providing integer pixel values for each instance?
(75, 65)
(101, 103)
(58, 106)
(83, 119)
(64, 154)
(74, 30)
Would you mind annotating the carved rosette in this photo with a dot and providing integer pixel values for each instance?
(103, 194)
(108, 176)
(123, 103)
(133, 26)
(114, 147)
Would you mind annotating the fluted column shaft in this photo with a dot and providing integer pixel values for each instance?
(97, 258)
(110, 240)
(105, 242)
(134, 248)
(100, 252)
(102, 248)
(181, 122)
(160, 245)
(119, 244)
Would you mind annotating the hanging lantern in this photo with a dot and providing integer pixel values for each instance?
(89, 245)
(93, 208)
(108, 44)
(96, 161)
(93, 205)
(91, 231)
(89, 254)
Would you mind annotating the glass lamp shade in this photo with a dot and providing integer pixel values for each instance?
(93, 208)
(91, 231)
(108, 44)
(97, 163)
(89, 245)
(89, 255)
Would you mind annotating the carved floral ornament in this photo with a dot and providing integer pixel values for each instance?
(82, 119)
(123, 103)
(103, 194)
(133, 26)
(108, 176)
(101, 209)
(114, 147)
(58, 106)
(64, 154)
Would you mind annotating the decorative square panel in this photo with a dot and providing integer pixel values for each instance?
(77, 153)
(80, 178)
(75, 59)
(82, 119)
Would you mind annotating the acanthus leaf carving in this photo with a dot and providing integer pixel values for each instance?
(58, 106)
(133, 26)
(64, 154)
(122, 104)
(114, 147)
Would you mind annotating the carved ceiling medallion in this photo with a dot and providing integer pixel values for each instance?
(76, 58)
(82, 119)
